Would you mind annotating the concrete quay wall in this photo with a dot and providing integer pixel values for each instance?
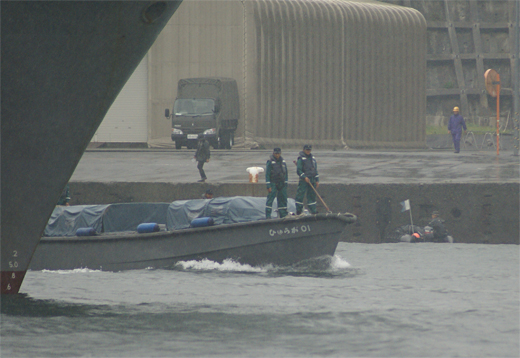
(474, 212)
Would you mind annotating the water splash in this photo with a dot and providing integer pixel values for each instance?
(323, 263)
(226, 265)
(338, 263)
(328, 265)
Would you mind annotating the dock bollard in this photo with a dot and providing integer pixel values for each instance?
(253, 173)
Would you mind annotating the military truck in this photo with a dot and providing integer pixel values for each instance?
(207, 106)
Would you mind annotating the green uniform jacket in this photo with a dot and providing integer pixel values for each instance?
(300, 166)
(268, 168)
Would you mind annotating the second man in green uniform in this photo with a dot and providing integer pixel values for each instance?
(307, 171)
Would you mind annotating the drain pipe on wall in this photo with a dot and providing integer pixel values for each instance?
(516, 93)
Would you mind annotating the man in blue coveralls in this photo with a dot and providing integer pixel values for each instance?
(455, 128)
(276, 178)
(307, 170)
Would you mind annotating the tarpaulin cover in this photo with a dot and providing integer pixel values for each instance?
(225, 210)
(65, 220)
(127, 216)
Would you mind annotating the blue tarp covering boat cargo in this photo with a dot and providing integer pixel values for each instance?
(224, 210)
(66, 220)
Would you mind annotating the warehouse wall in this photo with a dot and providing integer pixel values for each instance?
(335, 73)
(332, 73)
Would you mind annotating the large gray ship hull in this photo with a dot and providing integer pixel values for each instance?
(277, 241)
(63, 64)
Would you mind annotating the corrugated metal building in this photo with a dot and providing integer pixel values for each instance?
(331, 73)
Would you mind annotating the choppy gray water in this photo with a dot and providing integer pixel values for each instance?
(388, 300)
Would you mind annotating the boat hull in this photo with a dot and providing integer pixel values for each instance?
(277, 241)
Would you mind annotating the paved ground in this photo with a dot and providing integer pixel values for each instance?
(348, 166)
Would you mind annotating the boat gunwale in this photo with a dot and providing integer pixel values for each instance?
(348, 218)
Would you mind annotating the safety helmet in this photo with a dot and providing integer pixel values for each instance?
(455, 109)
(416, 235)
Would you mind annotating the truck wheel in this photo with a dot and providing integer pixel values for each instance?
(229, 142)
(226, 140)
(178, 145)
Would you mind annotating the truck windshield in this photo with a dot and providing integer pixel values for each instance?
(193, 106)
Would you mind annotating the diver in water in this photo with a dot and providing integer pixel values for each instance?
(436, 231)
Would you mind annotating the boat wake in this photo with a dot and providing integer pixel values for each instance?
(68, 272)
(226, 265)
(323, 266)
(320, 266)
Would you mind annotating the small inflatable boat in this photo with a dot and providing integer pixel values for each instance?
(414, 233)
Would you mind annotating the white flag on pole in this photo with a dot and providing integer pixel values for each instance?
(405, 205)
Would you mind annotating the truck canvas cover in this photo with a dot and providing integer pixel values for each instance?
(222, 88)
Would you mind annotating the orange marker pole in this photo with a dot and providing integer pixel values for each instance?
(492, 79)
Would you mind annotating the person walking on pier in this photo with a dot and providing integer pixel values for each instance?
(202, 156)
(276, 179)
(307, 170)
(455, 128)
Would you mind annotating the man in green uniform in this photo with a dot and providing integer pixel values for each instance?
(276, 178)
(307, 171)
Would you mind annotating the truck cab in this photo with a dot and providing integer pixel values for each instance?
(205, 105)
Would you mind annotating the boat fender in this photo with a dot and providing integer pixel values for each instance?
(86, 231)
(147, 227)
(201, 222)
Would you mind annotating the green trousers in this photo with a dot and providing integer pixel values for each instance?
(303, 188)
(281, 196)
